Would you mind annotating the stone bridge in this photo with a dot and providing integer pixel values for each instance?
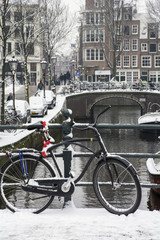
(82, 104)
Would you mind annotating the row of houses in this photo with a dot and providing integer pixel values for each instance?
(137, 51)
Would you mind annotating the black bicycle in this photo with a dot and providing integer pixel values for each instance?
(29, 181)
(11, 118)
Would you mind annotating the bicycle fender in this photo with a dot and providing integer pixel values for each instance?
(124, 161)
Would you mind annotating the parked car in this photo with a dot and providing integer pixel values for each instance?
(49, 96)
(38, 106)
(22, 109)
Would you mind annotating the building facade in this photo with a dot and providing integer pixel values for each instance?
(137, 52)
(31, 24)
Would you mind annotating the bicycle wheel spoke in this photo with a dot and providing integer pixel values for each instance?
(117, 189)
(13, 179)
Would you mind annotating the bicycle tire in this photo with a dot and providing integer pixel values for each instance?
(123, 198)
(11, 122)
(12, 178)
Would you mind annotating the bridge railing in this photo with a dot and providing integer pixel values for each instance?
(67, 128)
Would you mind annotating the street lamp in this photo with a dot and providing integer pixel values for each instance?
(54, 60)
(13, 63)
(73, 69)
(44, 66)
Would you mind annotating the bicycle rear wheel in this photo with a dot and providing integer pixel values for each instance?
(124, 196)
(11, 122)
(15, 174)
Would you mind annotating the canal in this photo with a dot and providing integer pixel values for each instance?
(117, 141)
(121, 141)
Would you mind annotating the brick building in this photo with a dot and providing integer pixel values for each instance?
(138, 48)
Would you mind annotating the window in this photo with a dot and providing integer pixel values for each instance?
(126, 61)
(152, 35)
(17, 16)
(94, 35)
(126, 30)
(122, 76)
(134, 29)
(30, 49)
(30, 16)
(134, 44)
(17, 33)
(152, 76)
(7, 30)
(144, 47)
(146, 61)
(118, 61)
(158, 76)
(157, 61)
(152, 47)
(127, 16)
(8, 16)
(126, 45)
(17, 48)
(135, 76)
(118, 46)
(134, 61)
(9, 49)
(94, 54)
(129, 77)
(94, 18)
(33, 67)
(118, 29)
(101, 55)
(30, 31)
(99, 3)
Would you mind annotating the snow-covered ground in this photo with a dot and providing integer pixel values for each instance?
(79, 224)
(73, 223)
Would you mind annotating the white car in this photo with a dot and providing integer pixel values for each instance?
(38, 106)
(22, 109)
(50, 97)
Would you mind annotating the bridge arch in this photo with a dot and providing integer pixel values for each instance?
(91, 110)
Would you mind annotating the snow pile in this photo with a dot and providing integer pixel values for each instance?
(78, 224)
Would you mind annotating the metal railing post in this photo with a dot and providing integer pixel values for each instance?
(67, 153)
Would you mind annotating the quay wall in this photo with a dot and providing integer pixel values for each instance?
(82, 104)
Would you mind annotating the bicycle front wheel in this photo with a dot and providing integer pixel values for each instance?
(117, 187)
(15, 174)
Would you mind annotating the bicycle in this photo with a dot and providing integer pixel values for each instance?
(24, 186)
(11, 118)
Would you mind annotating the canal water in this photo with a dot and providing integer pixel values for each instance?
(121, 141)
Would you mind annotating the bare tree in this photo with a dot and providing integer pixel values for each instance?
(6, 30)
(153, 7)
(117, 15)
(28, 32)
(57, 26)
